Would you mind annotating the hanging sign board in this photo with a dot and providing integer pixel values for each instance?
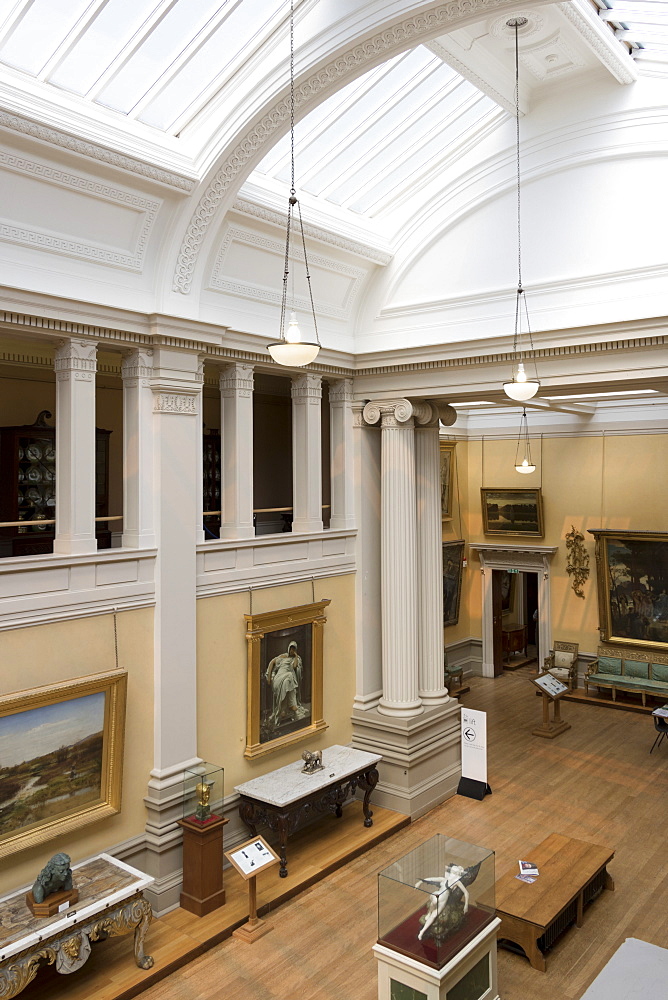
(473, 782)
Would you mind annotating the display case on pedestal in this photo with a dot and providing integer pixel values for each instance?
(202, 826)
(437, 925)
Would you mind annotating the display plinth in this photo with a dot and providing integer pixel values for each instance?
(202, 865)
(474, 967)
(249, 859)
(53, 903)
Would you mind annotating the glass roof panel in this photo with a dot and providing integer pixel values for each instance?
(41, 29)
(641, 23)
(211, 61)
(109, 32)
(157, 51)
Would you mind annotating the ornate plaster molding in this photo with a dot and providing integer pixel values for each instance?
(74, 247)
(307, 389)
(237, 380)
(341, 391)
(460, 67)
(175, 402)
(91, 150)
(75, 358)
(345, 243)
(600, 40)
(395, 38)
(137, 367)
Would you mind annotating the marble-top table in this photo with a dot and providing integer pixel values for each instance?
(283, 798)
(110, 902)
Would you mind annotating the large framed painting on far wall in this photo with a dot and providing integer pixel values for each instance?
(453, 555)
(284, 677)
(61, 758)
(632, 571)
(512, 512)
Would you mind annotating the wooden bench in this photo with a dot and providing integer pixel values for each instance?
(635, 671)
(284, 798)
(533, 915)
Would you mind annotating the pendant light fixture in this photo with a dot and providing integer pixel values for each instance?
(524, 464)
(521, 386)
(291, 349)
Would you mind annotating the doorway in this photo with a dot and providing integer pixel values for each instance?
(515, 618)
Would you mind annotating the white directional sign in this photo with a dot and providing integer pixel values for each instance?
(474, 744)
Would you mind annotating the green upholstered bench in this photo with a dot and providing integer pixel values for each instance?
(636, 671)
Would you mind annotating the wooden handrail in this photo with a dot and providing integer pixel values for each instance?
(20, 524)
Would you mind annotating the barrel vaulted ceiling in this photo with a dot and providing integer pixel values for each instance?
(144, 154)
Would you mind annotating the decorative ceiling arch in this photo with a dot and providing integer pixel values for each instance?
(431, 21)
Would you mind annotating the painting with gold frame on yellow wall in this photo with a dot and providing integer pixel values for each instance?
(285, 703)
(512, 512)
(447, 478)
(61, 758)
(632, 570)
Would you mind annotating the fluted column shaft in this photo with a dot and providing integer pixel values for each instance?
(236, 401)
(430, 563)
(138, 489)
(341, 437)
(75, 366)
(399, 593)
(307, 453)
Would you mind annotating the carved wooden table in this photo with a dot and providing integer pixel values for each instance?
(514, 639)
(533, 914)
(110, 902)
(282, 799)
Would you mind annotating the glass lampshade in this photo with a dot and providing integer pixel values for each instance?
(525, 467)
(293, 355)
(521, 387)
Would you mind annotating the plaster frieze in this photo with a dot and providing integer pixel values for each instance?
(394, 38)
(64, 140)
(175, 402)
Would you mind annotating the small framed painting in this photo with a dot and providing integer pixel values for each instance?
(447, 478)
(453, 555)
(512, 512)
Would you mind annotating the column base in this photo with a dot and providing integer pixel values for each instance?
(400, 710)
(302, 525)
(421, 763)
(74, 546)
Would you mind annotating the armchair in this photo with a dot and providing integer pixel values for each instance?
(562, 663)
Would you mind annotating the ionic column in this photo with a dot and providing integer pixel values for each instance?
(138, 489)
(429, 557)
(399, 597)
(342, 458)
(75, 366)
(236, 461)
(306, 453)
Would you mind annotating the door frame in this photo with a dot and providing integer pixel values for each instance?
(526, 559)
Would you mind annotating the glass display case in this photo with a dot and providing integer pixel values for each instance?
(203, 794)
(435, 900)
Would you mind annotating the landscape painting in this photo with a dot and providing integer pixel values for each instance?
(512, 512)
(59, 756)
(633, 586)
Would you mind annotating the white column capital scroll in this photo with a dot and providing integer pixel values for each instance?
(400, 412)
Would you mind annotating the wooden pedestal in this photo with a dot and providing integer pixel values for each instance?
(551, 727)
(52, 903)
(202, 866)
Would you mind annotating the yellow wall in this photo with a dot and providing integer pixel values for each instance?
(45, 654)
(222, 673)
(616, 481)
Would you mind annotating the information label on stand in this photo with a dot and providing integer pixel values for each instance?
(474, 744)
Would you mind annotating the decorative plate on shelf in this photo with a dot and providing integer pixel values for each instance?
(49, 475)
(20, 453)
(34, 474)
(21, 475)
(34, 452)
(33, 495)
(49, 453)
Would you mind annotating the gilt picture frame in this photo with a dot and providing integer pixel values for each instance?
(453, 557)
(632, 577)
(285, 677)
(512, 512)
(447, 450)
(61, 758)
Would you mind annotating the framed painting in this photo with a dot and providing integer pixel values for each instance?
(284, 677)
(508, 584)
(61, 758)
(447, 478)
(512, 512)
(632, 572)
(453, 555)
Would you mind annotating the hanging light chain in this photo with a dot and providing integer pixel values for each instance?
(518, 21)
(292, 97)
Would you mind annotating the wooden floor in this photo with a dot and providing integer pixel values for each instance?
(595, 782)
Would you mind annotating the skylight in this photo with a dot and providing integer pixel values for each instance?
(642, 24)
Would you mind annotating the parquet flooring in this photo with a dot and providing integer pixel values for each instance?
(595, 782)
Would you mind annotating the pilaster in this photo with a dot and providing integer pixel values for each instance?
(236, 400)
(138, 492)
(306, 453)
(75, 366)
(342, 459)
